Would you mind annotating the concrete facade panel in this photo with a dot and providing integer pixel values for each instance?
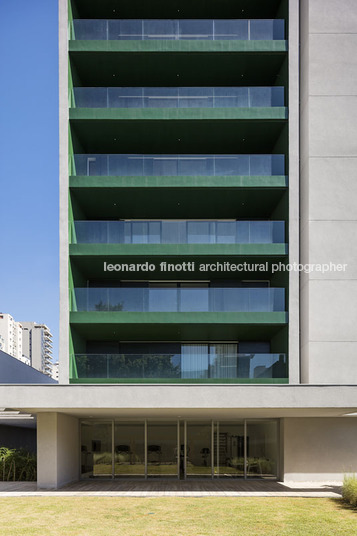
(333, 242)
(319, 449)
(332, 16)
(332, 311)
(332, 188)
(334, 363)
(333, 126)
(333, 65)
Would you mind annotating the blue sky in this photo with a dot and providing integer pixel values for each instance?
(29, 288)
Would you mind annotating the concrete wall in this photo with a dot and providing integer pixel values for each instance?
(63, 177)
(328, 189)
(318, 449)
(57, 450)
(294, 355)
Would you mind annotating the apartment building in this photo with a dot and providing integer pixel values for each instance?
(207, 207)
(11, 338)
(2, 343)
(37, 346)
(55, 371)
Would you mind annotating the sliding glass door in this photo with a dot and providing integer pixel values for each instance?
(96, 449)
(129, 449)
(199, 449)
(262, 450)
(246, 448)
(229, 449)
(162, 449)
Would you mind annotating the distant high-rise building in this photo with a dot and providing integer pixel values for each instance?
(11, 337)
(37, 346)
(55, 371)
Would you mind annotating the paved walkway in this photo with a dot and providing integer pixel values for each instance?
(175, 488)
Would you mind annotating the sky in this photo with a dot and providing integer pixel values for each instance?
(29, 187)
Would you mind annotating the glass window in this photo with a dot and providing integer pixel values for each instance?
(262, 449)
(199, 450)
(163, 297)
(194, 297)
(194, 361)
(223, 360)
(162, 455)
(229, 449)
(129, 449)
(96, 449)
(196, 29)
(231, 29)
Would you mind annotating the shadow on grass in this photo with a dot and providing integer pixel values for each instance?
(341, 504)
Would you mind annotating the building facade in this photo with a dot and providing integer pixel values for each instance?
(37, 345)
(207, 165)
(2, 343)
(55, 371)
(11, 338)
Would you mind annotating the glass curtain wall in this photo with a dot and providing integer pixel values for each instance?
(162, 449)
(129, 449)
(246, 449)
(198, 449)
(229, 449)
(262, 450)
(96, 449)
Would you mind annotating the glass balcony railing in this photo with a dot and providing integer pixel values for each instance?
(183, 29)
(180, 366)
(140, 165)
(177, 97)
(168, 299)
(178, 232)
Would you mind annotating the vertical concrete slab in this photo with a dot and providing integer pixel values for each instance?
(328, 173)
(57, 450)
(63, 177)
(319, 449)
(294, 342)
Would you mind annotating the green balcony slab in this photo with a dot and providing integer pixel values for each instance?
(103, 181)
(186, 46)
(258, 381)
(123, 317)
(169, 250)
(180, 114)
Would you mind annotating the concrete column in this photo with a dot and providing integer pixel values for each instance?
(319, 449)
(63, 175)
(294, 342)
(57, 450)
(328, 186)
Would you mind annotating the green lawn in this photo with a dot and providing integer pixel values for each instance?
(191, 516)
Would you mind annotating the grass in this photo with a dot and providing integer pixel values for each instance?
(178, 516)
